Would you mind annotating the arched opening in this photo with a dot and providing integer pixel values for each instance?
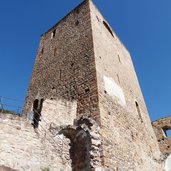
(80, 148)
(167, 131)
(85, 143)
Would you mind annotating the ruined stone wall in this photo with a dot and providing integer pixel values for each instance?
(83, 69)
(64, 70)
(161, 127)
(129, 142)
(23, 149)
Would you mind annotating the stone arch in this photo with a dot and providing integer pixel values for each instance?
(80, 146)
(85, 144)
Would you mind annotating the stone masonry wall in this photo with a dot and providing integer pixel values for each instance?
(161, 127)
(129, 142)
(64, 69)
(83, 69)
(23, 149)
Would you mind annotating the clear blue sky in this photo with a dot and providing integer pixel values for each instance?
(144, 27)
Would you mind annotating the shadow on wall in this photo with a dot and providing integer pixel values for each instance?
(85, 147)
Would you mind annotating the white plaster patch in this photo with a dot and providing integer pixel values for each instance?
(99, 169)
(58, 112)
(114, 90)
(168, 163)
(61, 136)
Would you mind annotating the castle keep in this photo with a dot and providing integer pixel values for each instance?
(84, 98)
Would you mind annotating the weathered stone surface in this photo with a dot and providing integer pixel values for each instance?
(128, 140)
(4, 168)
(84, 82)
(161, 127)
(25, 150)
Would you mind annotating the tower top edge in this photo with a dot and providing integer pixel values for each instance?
(84, 2)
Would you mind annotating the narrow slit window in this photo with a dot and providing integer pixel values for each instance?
(119, 59)
(98, 19)
(138, 111)
(167, 131)
(108, 28)
(53, 34)
(37, 108)
(55, 50)
(118, 78)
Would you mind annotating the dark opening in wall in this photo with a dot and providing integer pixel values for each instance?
(87, 90)
(138, 111)
(37, 108)
(119, 58)
(84, 154)
(77, 10)
(108, 28)
(98, 18)
(118, 78)
(35, 104)
(41, 104)
(53, 34)
(76, 23)
(168, 133)
(55, 50)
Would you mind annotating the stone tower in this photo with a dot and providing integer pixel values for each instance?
(83, 70)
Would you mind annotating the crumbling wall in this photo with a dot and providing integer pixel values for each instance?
(83, 69)
(24, 149)
(85, 143)
(161, 127)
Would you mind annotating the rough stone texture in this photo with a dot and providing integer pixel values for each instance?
(24, 149)
(161, 127)
(86, 144)
(82, 69)
(65, 66)
(129, 142)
